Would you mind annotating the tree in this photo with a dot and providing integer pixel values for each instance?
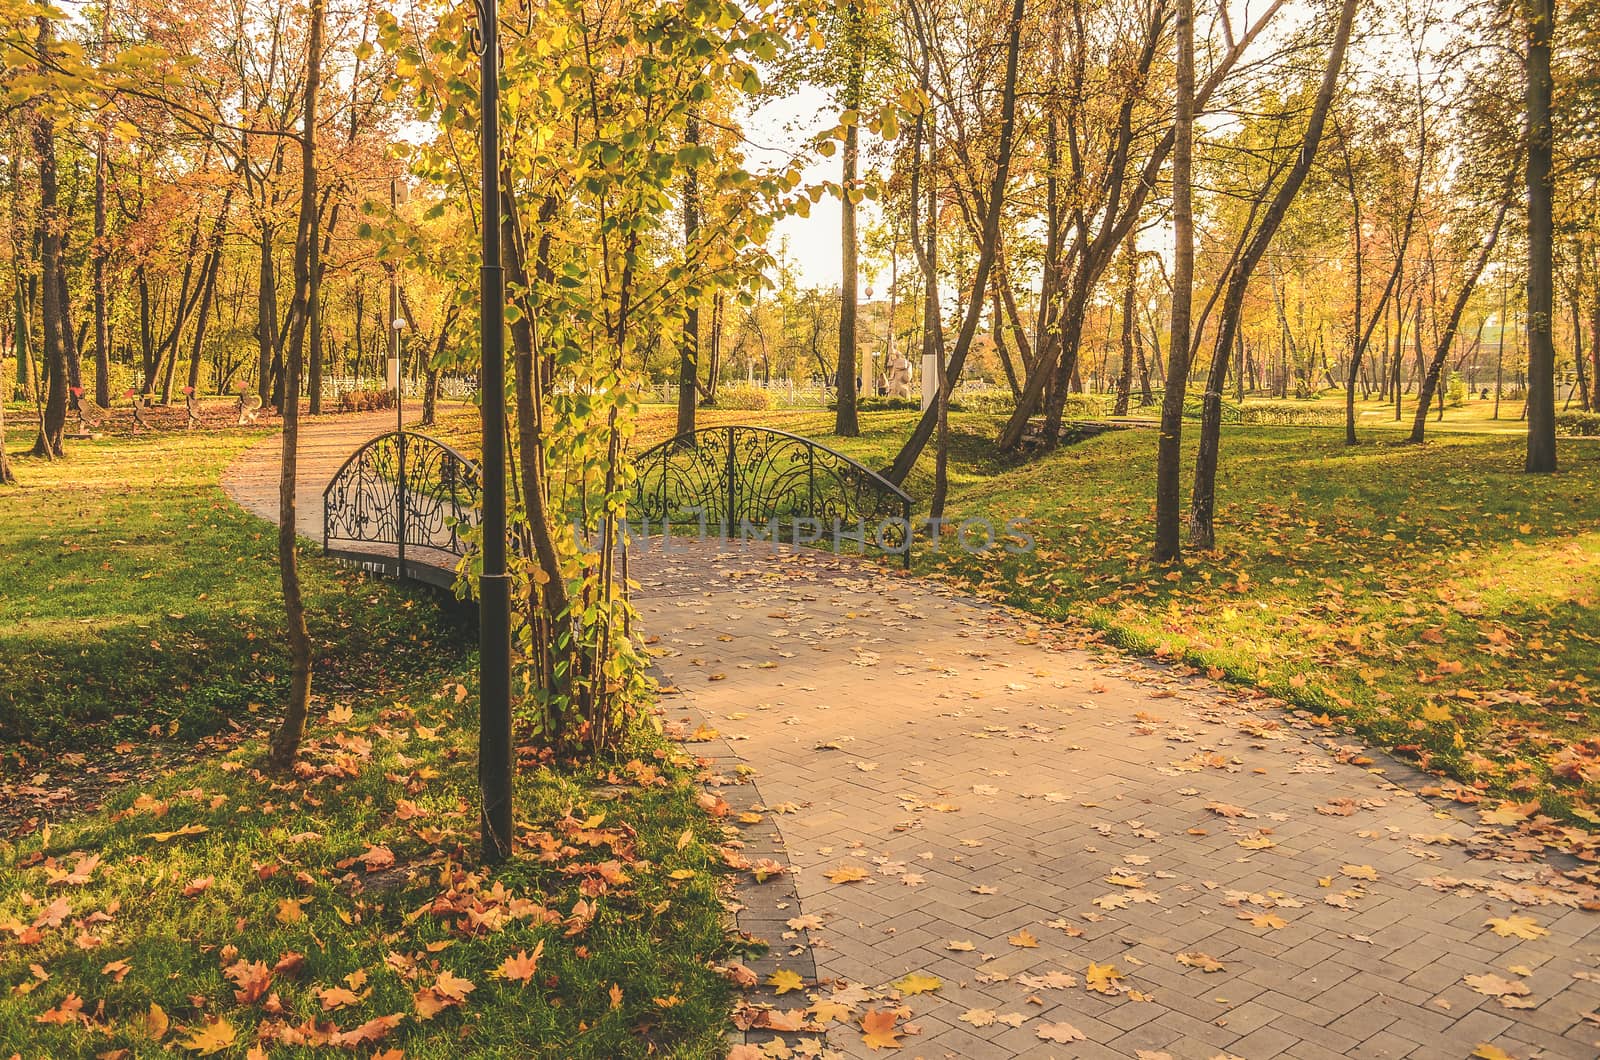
(1541, 455)
(1202, 502)
(993, 206)
(1169, 443)
(303, 309)
(689, 346)
(853, 45)
(52, 277)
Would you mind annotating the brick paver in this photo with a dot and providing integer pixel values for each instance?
(993, 776)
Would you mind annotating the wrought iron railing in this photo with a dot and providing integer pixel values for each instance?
(401, 501)
(404, 490)
(746, 482)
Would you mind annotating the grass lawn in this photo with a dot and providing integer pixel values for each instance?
(213, 907)
(1435, 599)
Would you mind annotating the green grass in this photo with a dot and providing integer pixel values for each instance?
(138, 597)
(143, 599)
(1435, 599)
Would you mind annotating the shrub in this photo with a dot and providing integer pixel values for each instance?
(1291, 414)
(1455, 395)
(745, 398)
(1579, 424)
(366, 400)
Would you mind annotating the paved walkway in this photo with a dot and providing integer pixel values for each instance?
(1092, 856)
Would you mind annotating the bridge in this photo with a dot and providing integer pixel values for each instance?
(402, 503)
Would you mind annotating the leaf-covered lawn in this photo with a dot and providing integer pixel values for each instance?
(1434, 598)
(210, 908)
(140, 601)
(225, 909)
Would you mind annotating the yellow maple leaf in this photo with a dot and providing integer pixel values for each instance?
(214, 1037)
(1101, 978)
(1523, 927)
(846, 874)
(917, 983)
(1485, 1051)
(784, 980)
(1023, 938)
(827, 1011)
(1360, 872)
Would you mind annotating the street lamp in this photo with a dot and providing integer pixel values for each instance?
(494, 586)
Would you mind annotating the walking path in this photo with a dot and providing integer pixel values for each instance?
(1071, 853)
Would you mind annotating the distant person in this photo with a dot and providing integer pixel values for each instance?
(1485, 395)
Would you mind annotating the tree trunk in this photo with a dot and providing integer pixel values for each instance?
(1168, 443)
(266, 317)
(102, 329)
(52, 424)
(1202, 501)
(1541, 265)
(1430, 379)
(529, 387)
(906, 459)
(303, 311)
(1125, 377)
(845, 422)
(689, 348)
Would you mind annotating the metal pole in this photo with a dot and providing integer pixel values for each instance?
(494, 586)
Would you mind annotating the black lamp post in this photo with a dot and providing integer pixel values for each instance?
(494, 585)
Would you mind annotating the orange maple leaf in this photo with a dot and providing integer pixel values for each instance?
(878, 1030)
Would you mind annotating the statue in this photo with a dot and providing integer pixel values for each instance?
(899, 376)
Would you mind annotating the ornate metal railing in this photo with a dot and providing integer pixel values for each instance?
(746, 482)
(404, 490)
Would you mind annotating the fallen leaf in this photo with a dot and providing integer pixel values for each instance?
(878, 1029)
(917, 983)
(784, 980)
(522, 966)
(1523, 927)
(1059, 1032)
(214, 1037)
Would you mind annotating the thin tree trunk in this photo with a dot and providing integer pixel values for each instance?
(53, 418)
(1125, 377)
(1541, 405)
(303, 312)
(907, 457)
(1168, 546)
(1430, 380)
(845, 422)
(689, 347)
(1202, 501)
